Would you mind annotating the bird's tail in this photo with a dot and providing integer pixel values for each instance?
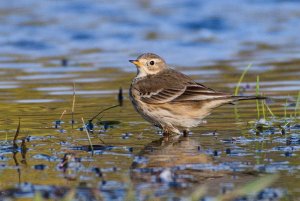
(233, 99)
(238, 98)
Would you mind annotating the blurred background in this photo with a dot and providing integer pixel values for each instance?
(51, 49)
(185, 32)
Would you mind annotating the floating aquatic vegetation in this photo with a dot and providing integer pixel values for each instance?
(273, 126)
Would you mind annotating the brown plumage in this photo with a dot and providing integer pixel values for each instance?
(171, 100)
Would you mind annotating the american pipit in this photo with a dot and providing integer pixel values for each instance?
(171, 100)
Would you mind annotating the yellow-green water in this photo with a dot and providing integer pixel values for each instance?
(198, 159)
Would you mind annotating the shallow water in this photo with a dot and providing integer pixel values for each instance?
(46, 46)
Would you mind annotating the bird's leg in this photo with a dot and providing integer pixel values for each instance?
(166, 133)
(169, 129)
(185, 133)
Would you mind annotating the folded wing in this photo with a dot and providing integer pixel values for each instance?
(172, 86)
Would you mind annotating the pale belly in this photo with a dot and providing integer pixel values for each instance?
(174, 116)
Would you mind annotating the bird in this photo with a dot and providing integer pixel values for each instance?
(171, 100)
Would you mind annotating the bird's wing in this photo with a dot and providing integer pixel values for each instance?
(172, 86)
(162, 96)
(198, 92)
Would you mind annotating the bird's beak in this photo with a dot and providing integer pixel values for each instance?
(136, 62)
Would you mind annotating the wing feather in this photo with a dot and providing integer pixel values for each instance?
(198, 92)
(172, 86)
(163, 96)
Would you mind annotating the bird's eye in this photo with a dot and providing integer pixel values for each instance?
(151, 63)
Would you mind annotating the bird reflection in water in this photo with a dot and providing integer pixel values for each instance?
(179, 163)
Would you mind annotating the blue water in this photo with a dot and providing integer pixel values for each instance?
(185, 32)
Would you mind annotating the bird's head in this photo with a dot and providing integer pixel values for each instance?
(149, 64)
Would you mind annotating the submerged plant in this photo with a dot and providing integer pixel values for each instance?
(257, 93)
(267, 122)
(273, 124)
(241, 79)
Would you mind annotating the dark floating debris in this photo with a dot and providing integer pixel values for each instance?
(111, 123)
(64, 62)
(39, 167)
(97, 171)
(130, 149)
(89, 126)
(228, 151)
(108, 124)
(288, 154)
(58, 122)
(120, 97)
(95, 148)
